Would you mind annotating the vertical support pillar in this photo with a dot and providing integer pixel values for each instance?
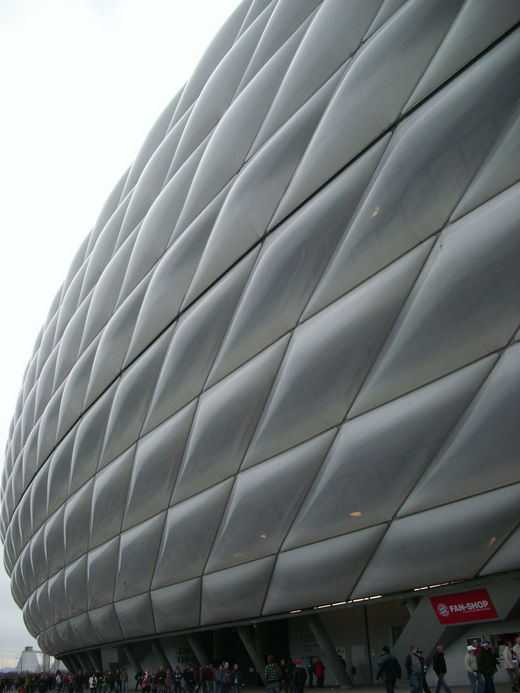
(256, 656)
(93, 661)
(85, 662)
(411, 605)
(369, 647)
(68, 663)
(76, 663)
(328, 652)
(130, 655)
(261, 638)
(160, 654)
(198, 650)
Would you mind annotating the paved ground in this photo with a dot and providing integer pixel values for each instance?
(403, 688)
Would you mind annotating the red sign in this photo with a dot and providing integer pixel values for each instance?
(464, 606)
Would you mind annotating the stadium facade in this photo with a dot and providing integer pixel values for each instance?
(275, 404)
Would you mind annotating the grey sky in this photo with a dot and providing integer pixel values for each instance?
(83, 82)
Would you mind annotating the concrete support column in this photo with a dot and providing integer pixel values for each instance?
(98, 656)
(86, 665)
(256, 656)
(68, 663)
(76, 662)
(328, 651)
(411, 605)
(424, 630)
(127, 649)
(261, 638)
(198, 650)
(96, 663)
(160, 654)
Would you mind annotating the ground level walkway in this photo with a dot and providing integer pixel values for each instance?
(370, 688)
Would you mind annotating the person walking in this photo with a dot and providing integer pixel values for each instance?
(516, 649)
(146, 683)
(273, 676)
(425, 686)
(310, 671)
(299, 676)
(476, 682)
(319, 670)
(286, 667)
(388, 669)
(236, 679)
(511, 665)
(440, 669)
(209, 677)
(414, 670)
(487, 666)
(177, 679)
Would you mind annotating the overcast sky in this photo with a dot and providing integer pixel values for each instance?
(82, 83)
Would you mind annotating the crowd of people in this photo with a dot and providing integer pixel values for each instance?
(66, 682)
(31, 683)
(285, 676)
(202, 679)
(291, 676)
(227, 678)
(480, 662)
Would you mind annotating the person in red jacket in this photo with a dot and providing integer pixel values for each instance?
(319, 670)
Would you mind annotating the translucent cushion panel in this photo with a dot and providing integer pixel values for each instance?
(264, 502)
(377, 458)
(377, 84)
(464, 305)
(320, 573)
(290, 264)
(328, 357)
(481, 452)
(188, 535)
(402, 560)
(235, 592)
(225, 421)
(137, 556)
(194, 345)
(157, 460)
(176, 607)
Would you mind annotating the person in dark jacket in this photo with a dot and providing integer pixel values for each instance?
(286, 667)
(189, 678)
(425, 686)
(487, 666)
(414, 670)
(209, 678)
(388, 669)
(177, 679)
(299, 676)
(236, 679)
(440, 669)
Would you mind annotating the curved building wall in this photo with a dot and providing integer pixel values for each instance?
(283, 369)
